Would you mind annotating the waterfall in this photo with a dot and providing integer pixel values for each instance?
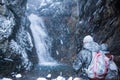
(41, 40)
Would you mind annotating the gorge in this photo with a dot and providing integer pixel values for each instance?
(50, 32)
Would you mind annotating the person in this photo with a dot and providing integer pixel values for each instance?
(84, 57)
(113, 70)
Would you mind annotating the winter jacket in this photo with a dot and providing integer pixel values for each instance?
(112, 71)
(84, 57)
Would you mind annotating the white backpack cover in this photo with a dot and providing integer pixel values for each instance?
(98, 66)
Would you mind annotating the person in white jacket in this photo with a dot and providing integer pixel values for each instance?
(84, 57)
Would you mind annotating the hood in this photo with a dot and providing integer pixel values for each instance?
(104, 48)
(92, 46)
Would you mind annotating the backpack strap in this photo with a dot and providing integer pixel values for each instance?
(95, 57)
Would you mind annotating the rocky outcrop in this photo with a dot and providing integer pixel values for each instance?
(15, 40)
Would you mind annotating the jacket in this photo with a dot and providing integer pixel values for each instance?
(84, 57)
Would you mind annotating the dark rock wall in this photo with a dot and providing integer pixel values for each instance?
(98, 18)
(15, 40)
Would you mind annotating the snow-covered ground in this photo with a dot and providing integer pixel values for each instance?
(5, 79)
(60, 78)
(42, 78)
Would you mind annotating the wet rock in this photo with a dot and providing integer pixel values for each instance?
(3, 9)
(57, 8)
(15, 40)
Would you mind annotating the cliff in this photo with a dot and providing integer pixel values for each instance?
(15, 40)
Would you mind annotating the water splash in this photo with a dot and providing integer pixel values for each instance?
(41, 40)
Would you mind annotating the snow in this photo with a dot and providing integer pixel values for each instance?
(6, 79)
(61, 42)
(8, 59)
(70, 78)
(41, 78)
(49, 75)
(60, 78)
(6, 26)
(18, 75)
(57, 52)
(76, 78)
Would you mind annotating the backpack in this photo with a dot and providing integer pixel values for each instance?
(112, 72)
(99, 65)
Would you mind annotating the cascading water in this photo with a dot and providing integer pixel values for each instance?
(41, 40)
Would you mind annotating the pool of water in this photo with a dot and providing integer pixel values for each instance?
(64, 70)
(57, 67)
(55, 71)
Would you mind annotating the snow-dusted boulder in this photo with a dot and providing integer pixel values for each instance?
(41, 78)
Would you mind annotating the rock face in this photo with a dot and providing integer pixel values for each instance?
(71, 20)
(15, 41)
(100, 18)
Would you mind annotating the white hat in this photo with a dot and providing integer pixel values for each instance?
(87, 38)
